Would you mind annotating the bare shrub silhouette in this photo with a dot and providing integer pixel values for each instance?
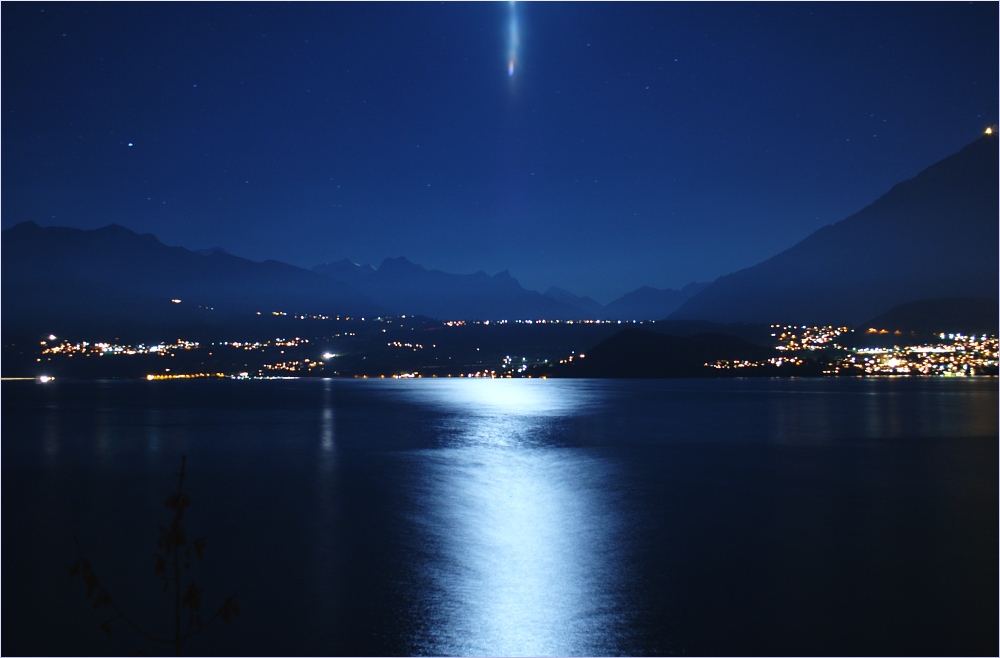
(174, 558)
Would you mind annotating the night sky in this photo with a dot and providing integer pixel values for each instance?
(634, 144)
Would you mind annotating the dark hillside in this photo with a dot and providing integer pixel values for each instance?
(953, 314)
(932, 236)
(113, 278)
(640, 353)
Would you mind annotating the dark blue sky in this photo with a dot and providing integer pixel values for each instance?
(646, 143)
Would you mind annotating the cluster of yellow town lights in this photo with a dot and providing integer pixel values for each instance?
(949, 354)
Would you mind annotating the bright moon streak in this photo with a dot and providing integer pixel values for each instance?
(512, 39)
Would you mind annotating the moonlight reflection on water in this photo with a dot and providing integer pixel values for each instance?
(520, 532)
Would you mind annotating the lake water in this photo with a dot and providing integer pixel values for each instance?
(513, 517)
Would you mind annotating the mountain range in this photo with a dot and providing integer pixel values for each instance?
(409, 288)
(932, 237)
(112, 279)
(399, 284)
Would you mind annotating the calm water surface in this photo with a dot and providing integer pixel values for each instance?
(514, 517)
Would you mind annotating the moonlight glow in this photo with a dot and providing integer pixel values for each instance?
(513, 39)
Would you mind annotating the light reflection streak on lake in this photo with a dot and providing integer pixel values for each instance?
(519, 535)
